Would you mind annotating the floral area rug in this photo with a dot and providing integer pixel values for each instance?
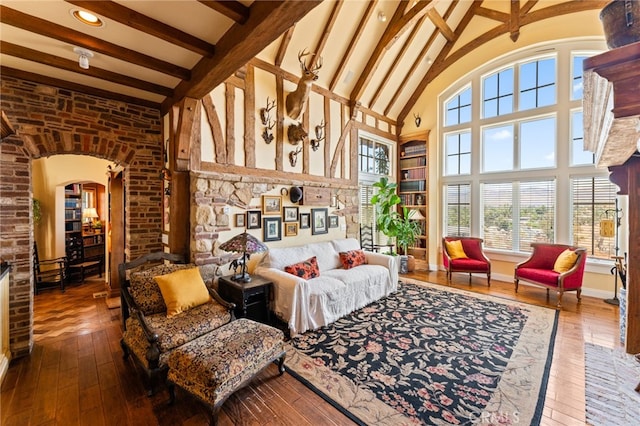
(611, 376)
(433, 355)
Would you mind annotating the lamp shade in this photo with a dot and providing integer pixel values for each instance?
(244, 243)
(415, 214)
(89, 213)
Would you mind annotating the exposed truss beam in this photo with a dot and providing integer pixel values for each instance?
(445, 60)
(418, 60)
(68, 65)
(267, 21)
(48, 29)
(232, 9)
(352, 44)
(514, 21)
(493, 14)
(397, 25)
(396, 61)
(325, 33)
(284, 44)
(133, 19)
(441, 24)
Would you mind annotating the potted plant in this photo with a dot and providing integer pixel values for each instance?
(390, 222)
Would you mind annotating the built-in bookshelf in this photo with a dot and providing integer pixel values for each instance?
(73, 223)
(413, 187)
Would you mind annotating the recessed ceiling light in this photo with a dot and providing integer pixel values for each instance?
(382, 17)
(87, 18)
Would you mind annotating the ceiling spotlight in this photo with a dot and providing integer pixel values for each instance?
(87, 18)
(382, 17)
(428, 60)
(83, 57)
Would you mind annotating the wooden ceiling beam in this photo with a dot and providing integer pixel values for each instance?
(352, 44)
(441, 24)
(267, 21)
(418, 60)
(58, 32)
(140, 22)
(63, 84)
(68, 65)
(284, 44)
(514, 21)
(444, 61)
(317, 53)
(493, 14)
(396, 27)
(396, 61)
(527, 7)
(232, 9)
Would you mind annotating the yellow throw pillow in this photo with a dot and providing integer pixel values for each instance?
(455, 250)
(182, 290)
(565, 261)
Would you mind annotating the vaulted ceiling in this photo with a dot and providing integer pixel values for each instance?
(380, 54)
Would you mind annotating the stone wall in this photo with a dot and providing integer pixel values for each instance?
(212, 192)
(51, 121)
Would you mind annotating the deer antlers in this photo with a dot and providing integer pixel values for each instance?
(315, 143)
(303, 65)
(293, 156)
(265, 118)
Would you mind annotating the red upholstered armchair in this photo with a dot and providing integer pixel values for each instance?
(475, 261)
(539, 269)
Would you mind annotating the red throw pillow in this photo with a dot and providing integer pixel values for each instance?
(351, 259)
(305, 270)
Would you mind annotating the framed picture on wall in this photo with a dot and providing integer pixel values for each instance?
(271, 205)
(253, 219)
(333, 221)
(272, 229)
(240, 222)
(319, 221)
(290, 229)
(290, 214)
(305, 220)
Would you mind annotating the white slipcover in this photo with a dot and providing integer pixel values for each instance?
(310, 304)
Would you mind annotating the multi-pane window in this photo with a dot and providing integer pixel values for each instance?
(458, 153)
(458, 109)
(497, 148)
(593, 200)
(374, 157)
(497, 93)
(530, 205)
(497, 212)
(538, 143)
(579, 156)
(534, 180)
(458, 212)
(537, 84)
(536, 213)
(576, 77)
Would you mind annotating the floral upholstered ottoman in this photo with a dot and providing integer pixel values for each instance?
(215, 365)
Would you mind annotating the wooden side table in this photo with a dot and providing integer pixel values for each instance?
(248, 297)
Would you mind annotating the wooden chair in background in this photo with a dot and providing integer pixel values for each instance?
(48, 273)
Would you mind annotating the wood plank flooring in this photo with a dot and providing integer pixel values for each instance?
(76, 374)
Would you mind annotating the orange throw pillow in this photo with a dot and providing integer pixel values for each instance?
(455, 250)
(351, 259)
(305, 270)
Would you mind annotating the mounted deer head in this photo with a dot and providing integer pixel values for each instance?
(296, 133)
(315, 143)
(293, 156)
(265, 113)
(297, 100)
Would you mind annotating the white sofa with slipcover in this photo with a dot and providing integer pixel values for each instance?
(307, 304)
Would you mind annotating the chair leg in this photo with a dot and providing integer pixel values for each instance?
(469, 278)
(560, 292)
(517, 281)
(488, 279)
(579, 295)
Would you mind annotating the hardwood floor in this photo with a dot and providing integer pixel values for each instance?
(76, 374)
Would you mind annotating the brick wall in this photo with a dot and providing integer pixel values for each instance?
(50, 121)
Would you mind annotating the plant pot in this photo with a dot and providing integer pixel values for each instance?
(403, 262)
(411, 263)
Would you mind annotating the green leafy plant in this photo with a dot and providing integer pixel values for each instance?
(385, 202)
(407, 230)
(37, 211)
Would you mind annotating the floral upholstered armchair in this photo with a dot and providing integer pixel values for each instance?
(165, 306)
(554, 266)
(465, 254)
